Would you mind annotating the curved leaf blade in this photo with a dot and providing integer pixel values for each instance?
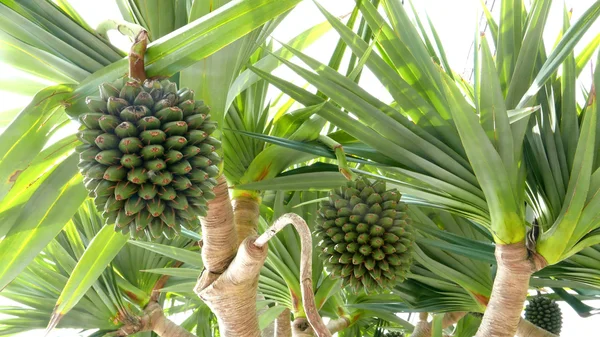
(49, 208)
(191, 43)
(100, 252)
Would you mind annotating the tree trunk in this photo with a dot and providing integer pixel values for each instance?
(246, 213)
(229, 283)
(527, 329)
(283, 324)
(219, 241)
(515, 266)
(232, 295)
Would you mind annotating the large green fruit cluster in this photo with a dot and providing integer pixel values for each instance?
(148, 159)
(544, 313)
(366, 236)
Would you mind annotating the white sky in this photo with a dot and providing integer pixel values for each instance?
(454, 21)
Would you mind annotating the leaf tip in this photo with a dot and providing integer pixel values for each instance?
(56, 317)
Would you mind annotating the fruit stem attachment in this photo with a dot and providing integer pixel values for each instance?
(308, 297)
(136, 56)
(340, 155)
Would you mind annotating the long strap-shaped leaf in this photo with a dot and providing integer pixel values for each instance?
(50, 207)
(180, 254)
(101, 250)
(270, 63)
(562, 51)
(191, 43)
(28, 133)
(505, 210)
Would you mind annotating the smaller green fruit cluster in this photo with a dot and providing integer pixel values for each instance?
(394, 334)
(544, 313)
(365, 235)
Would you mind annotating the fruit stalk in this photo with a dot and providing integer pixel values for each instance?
(136, 56)
(515, 267)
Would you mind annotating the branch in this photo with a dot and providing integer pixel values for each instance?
(301, 327)
(232, 295)
(527, 329)
(155, 320)
(160, 283)
(424, 328)
(308, 297)
(136, 56)
(283, 325)
(219, 240)
(338, 324)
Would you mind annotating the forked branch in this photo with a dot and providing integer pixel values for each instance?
(308, 298)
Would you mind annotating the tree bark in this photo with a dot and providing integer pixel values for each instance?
(219, 240)
(301, 328)
(527, 329)
(423, 328)
(283, 324)
(308, 297)
(163, 326)
(232, 295)
(246, 213)
(153, 320)
(515, 266)
(338, 324)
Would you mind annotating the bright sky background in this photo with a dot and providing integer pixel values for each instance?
(455, 23)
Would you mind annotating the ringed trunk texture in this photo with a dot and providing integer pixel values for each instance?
(515, 266)
(283, 324)
(527, 329)
(246, 213)
(219, 241)
(232, 295)
(229, 283)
